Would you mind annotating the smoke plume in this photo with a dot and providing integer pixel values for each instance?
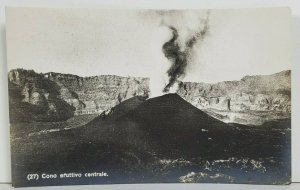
(180, 52)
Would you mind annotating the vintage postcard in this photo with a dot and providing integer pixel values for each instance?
(104, 96)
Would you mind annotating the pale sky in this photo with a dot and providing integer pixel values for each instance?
(89, 42)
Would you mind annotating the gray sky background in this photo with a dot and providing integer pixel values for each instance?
(90, 42)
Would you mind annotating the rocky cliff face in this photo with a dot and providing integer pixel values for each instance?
(54, 96)
(31, 97)
(233, 101)
(98, 93)
(59, 96)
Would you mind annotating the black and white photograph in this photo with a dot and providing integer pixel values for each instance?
(122, 96)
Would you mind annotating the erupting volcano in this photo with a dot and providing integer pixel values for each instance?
(179, 52)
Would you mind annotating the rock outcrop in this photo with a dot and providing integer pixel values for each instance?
(55, 96)
(230, 99)
(32, 98)
(98, 93)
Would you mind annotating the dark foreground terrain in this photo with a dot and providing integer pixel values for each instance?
(163, 139)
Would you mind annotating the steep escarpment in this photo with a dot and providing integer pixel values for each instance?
(262, 93)
(57, 96)
(33, 98)
(99, 93)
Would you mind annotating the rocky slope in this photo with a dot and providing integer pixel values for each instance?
(259, 93)
(240, 101)
(54, 96)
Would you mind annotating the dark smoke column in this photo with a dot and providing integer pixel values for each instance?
(179, 56)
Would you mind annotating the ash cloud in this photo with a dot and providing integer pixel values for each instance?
(179, 50)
